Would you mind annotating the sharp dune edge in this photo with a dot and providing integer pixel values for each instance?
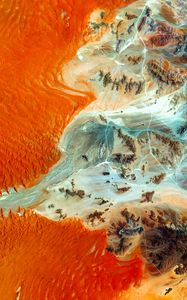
(37, 39)
(93, 150)
(43, 259)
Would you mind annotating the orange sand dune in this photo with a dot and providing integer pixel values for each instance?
(37, 38)
(43, 259)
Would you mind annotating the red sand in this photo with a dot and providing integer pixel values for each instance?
(43, 259)
(36, 40)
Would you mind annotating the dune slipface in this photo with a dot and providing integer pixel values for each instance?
(43, 259)
(93, 156)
